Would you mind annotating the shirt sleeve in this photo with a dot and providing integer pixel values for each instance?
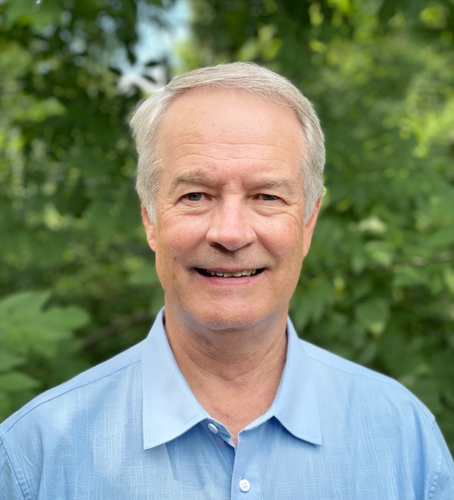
(442, 487)
(9, 482)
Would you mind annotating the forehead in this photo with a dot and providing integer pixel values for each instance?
(216, 125)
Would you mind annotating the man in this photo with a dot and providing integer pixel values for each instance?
(222, 400)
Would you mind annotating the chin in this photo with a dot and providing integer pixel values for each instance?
(230, 317)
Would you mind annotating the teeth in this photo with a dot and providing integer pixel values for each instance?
(238, 274)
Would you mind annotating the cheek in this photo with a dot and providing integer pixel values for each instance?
(176, 240)
(284, 239)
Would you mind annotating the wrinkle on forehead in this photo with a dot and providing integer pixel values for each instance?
(215, 158)
(190, 140)
(180, 145)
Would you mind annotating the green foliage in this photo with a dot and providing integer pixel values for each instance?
(27, 329)
(25, 324)
(69, 217)
(378, 284)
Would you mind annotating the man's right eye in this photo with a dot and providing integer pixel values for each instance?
(193, 196)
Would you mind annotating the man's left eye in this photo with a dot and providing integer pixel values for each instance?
(193, 196)
(268, 197)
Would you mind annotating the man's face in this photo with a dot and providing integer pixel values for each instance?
(229, 235)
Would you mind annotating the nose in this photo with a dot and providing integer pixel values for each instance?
(231, 226)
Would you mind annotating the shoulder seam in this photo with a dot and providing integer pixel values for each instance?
(392, 383)
(68, 391)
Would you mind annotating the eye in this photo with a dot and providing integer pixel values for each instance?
(268, 197)
(193, 196)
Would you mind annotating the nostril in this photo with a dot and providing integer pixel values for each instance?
(230, 226)
(231, 238)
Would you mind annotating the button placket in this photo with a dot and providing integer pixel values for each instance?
(218, 435)
(246, 477)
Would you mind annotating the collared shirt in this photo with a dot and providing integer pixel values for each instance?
(131, 428)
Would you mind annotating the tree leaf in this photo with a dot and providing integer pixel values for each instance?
(9, 360)
(373, 314)
(27, 326)
(16, 382)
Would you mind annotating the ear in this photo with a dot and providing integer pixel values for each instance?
(149, 228)
(310, 226)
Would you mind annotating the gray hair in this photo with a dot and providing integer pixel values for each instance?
(239, 76)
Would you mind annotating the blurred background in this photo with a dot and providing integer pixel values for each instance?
(77, 280)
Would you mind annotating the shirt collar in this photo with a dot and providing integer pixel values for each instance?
(170, 408)
(295, 404)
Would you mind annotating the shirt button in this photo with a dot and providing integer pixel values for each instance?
(213, 428)
(245, 485)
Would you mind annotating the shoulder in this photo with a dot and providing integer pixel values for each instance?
(67, 399)
(61, 426)
(325, 361)
(367, 393)
(373, 412)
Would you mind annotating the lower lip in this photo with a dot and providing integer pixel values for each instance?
(230, 282)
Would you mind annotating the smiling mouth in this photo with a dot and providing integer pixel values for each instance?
(236, 274)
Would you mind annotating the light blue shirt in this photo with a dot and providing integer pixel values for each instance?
(131, 429)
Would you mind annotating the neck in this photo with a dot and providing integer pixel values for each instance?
(234, 373)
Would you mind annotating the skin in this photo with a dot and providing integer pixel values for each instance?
(229, 199)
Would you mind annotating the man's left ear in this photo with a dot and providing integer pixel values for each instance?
(310, 226)
(149, 228)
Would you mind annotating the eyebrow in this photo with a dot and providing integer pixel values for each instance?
(189, 179)
(287, 184)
